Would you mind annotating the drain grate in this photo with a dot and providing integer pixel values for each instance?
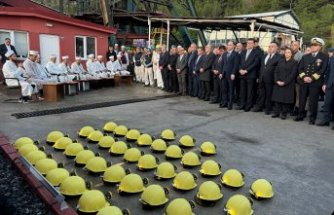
(86, 107)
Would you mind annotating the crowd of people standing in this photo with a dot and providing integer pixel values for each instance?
(280, 82)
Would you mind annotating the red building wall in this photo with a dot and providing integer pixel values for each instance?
(66, 33)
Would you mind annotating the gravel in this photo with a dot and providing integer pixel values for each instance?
(16, 196)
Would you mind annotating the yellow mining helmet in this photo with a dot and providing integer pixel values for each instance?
(132, 183)
(73, 186)
(209, 192)
(190, 159)
(95, 136)
(35, 156)
(180, 206)
(91, 201)
(45, 165)
(106, 142)
(233, 178)
(145, 140)
(120, 131)
(114, 174)
(132, 155)
(173, 152)
(210, 168)
(165, 170)
(159, 145)
(185, 181)
(57, 175)
(85, 131)
(25, 149)
(239, 204)
(132, 135)
(187, 141)
(109, 127)
(208, 148)
(168, 135)
(62, 143)
(53, 136)
(147, 162)
(113, 210)
(118, 148)
(83, 156)
(262, 189)
(23, 141)
(73, 149)
(96, 165)
(154, 195)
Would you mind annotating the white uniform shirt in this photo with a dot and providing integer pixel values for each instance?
(91, 67)
(100, 66)
(65, 69)
(110, 66)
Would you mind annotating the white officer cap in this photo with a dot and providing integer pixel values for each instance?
(100, 56)
(9, 53)
(77, 58)
(317, 41)
(116, 44)
(111, 57)
(53, 56)
(91, 56)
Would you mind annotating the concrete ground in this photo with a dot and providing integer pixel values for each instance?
(296, 157)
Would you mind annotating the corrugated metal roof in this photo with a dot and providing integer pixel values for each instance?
(29, 8)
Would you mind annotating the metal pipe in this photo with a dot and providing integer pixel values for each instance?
(168, 32)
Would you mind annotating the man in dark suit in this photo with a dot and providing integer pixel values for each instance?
(191, 58)
(173, 85)
(266, 79)
(216, 71)
(4, 48)
(163, 64)
(250, 60)
(328, 89)
(181, 70)
(205, 73)
(196, 72)
(230, 67)
(312, 68)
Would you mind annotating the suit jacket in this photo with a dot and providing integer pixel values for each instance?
(172, 60)
(164, 60)
(191, 58)
(267, 71)
(207, 66)
(198, 65)
(251, 64)
(183, 63)
(231, 64)
(3, 51)
(218, 63)
(329, 74)
(313, 67)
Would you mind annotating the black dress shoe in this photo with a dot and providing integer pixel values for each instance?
(229, 107)
(267, 112)
(311, 122)
(240, 108)
(223, 105)
(323, 123)
(275, 115)
(283, 116)
(247, 109)
(257, 109)
(207, 99)
(298, 118)
(213, 102)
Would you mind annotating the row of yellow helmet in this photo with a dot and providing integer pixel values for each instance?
(209, 191)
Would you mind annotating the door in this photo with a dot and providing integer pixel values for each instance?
(49, 45)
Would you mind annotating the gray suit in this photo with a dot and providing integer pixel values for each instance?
(181, 64)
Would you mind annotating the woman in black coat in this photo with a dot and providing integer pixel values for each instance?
(284, 88)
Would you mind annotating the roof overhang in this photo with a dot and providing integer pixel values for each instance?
(235, 24)
(52, 16)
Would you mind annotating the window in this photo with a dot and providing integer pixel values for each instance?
(18, 39)
(84, 46)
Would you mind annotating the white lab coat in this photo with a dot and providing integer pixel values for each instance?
(10, 70)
